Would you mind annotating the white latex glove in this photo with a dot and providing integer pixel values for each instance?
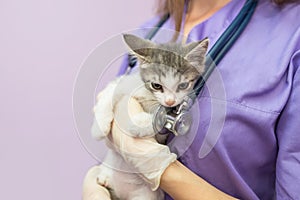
(148, 157)
(91, 189)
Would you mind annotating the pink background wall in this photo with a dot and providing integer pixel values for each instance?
(42, 45)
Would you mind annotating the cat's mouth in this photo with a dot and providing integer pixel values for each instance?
(169, 105)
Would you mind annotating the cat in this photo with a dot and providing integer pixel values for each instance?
(167, 73)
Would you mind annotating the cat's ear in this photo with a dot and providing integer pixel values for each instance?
(196, 54)
(139, 46)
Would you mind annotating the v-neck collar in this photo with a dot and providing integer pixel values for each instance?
(214, 26)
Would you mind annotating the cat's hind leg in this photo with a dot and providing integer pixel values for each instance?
(104, 177)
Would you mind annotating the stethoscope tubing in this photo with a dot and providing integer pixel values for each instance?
(224, 43)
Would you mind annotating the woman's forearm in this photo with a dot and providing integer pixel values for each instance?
(181, 183)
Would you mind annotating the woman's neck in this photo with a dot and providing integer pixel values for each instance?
(200, 10)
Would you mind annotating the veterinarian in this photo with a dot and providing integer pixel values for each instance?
(257, 155)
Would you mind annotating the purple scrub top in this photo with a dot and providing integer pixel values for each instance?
(257, 153)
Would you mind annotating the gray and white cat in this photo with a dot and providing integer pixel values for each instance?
(167, 73)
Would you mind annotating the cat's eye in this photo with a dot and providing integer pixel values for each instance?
(183, 86)
(156, 86)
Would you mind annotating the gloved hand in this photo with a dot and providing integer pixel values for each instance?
(91, 189)
(147, 156)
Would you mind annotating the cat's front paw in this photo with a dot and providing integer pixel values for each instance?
(103, 118)
(141, 125)
(104, 122)
(102, 125)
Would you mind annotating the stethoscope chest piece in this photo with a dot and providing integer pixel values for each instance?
(177, 120)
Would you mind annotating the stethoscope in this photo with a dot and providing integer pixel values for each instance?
(178, 120)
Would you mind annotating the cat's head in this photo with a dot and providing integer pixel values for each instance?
(169, 70)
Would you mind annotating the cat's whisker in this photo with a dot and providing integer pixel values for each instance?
(147, 100)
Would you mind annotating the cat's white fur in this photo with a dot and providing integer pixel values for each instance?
(126, 185)
(130, 185)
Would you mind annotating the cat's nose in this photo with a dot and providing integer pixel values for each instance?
(170, 102)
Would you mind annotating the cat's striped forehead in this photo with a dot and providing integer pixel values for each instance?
(162, 56)
(168, 73)
(162, 73)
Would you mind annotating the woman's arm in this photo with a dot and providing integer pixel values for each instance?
(153, 161)
(181, 183)
(287, 132)
(156, 163)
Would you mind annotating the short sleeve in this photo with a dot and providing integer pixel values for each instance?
(288, 135)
